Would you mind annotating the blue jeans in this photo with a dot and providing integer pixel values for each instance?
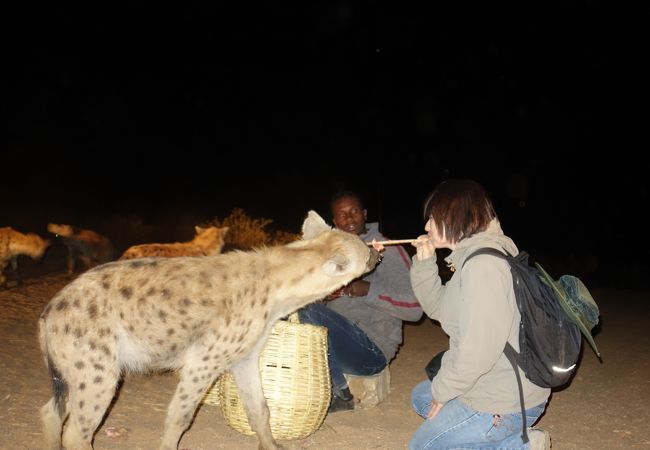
(457, 426)
(349, 348)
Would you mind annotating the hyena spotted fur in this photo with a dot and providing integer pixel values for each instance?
(208, 241)
(13, 244)
(87, 246)
(200, 315)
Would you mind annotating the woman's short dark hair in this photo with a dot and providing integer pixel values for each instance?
(459, 208)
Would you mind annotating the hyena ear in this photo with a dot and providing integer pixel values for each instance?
(313, 225)
(198, 229)
(336, 265)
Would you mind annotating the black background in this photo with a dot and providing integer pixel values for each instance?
(180, 113)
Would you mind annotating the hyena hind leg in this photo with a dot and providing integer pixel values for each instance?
(52, 425)
(87, 405)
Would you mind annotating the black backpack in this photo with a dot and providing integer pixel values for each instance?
(549, 339)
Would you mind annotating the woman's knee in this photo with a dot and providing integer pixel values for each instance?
(423, 438)
(421, 398)
(422, 389)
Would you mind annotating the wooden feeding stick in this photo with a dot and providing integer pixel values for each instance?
(394, 242)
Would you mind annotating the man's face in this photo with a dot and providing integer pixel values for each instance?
(349, 215)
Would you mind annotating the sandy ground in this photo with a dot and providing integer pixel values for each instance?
(605, 406)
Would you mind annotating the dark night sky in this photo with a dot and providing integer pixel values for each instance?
(185, 113)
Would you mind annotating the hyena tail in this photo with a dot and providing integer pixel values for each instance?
(54, 412)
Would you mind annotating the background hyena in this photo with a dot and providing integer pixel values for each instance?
(207, 242)
(202, 315)
(89, 247)
(13, 244)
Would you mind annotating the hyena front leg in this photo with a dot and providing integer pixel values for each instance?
(203, 363)
(249, 384)
(14, 267)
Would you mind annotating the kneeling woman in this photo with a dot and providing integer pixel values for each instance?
(473, 400)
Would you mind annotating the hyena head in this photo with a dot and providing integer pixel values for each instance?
(350, 254)
(60, 229)
(343, 256)
(210, 238)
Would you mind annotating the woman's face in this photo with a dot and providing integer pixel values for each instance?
(436, 236)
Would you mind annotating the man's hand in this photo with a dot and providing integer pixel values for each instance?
(377, 246)
(336, 294)
(357, 288)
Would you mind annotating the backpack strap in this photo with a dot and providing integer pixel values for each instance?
(488, 251)
(513, 356)
(509, 351)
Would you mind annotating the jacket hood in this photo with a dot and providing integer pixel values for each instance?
(492, 237)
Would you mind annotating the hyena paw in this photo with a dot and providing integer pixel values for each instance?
(275, 447)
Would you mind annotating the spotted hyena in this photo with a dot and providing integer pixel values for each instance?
(89, 247)
(208, 241)
(13, 244)
(200, 315)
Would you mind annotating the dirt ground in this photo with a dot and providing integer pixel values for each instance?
(605, 406)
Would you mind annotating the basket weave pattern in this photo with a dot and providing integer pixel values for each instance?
(295, 378)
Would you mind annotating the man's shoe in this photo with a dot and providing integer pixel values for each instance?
(344, 393)
(342, 400)
(539, 439)
(339, 404)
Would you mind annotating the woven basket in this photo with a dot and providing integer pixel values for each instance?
(212, 396)
(295, 378)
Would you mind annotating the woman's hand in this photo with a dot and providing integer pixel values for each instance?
(424, 247)
(435, 409)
